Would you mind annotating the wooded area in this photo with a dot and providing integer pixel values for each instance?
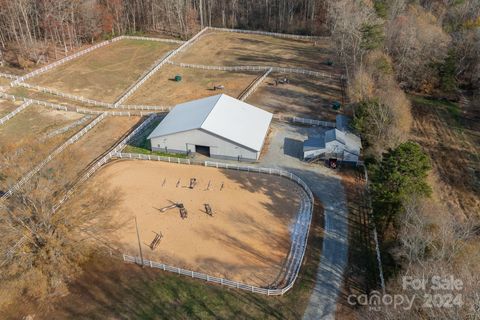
(37, 29)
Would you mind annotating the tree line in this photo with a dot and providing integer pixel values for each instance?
(390, 48)
(36, 30)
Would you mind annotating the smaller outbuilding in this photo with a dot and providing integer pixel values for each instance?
(338, 144)
(218, 126)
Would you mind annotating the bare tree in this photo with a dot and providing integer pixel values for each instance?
(41, 250)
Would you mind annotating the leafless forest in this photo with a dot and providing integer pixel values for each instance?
(35, 29)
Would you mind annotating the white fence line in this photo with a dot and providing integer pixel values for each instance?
(161, 109)
(8, 76)
(90, 101)
(257, 68)
(299, 239)
(265, 33)
(154, 39)
(158, 66)
(52, 155)
(62, 61)
(127, 93)
(82, 120)
(105, 159)
(14, 112)
(87, 111)
(312, 122)
(299, 234)
(255, 85)
(144, 107)
(66, 95)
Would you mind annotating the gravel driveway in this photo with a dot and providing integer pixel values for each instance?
(284, 151)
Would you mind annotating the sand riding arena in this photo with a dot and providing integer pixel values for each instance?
(243, 229)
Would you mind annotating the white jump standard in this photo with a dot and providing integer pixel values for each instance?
(218, 126)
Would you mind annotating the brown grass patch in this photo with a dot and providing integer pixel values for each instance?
(105, 73)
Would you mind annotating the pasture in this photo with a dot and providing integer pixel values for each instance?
(105, 73)
(7, 106)
(162, 89)
(30, 136)
(302, 96)
(78, 156)
(228, 49)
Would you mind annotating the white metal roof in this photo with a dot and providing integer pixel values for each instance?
(221, 115)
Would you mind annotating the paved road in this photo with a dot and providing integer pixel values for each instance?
(284, 152)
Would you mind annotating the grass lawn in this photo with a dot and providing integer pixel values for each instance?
(105, 73)
(111, 289)
(452, 108)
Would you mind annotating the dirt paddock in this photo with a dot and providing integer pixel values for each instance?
(247, 239)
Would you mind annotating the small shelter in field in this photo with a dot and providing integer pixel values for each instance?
(338, 143)
(217, 126)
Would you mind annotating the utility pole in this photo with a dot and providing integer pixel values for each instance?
(138, 238)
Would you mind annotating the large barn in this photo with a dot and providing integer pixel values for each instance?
(217, 126)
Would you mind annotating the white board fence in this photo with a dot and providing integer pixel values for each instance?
(52, 155)
(106, 158)
(62, 61)
(299, 234)
(273, 34)
(8, 76)
(254, 87)
(158, 66)
(257, 68)
(16, 111)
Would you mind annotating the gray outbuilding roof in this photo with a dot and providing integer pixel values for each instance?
(221, 115)
(352, 143)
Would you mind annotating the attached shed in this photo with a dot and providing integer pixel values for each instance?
(338, 143)
(335, 144)
(218, 126)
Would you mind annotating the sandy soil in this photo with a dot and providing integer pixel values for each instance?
(90, 147)
(226, 48)
(246, 240)
(195, 84)
(304, 96)
(24, 143)
(7, 106)
(105, 73)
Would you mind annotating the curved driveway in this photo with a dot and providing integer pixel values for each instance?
(284, 152)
